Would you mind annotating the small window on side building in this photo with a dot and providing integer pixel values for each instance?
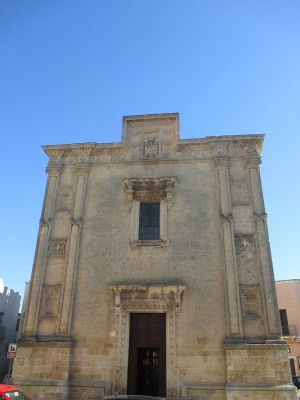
(284, 322)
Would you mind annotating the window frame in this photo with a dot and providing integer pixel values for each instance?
(147, 190)
(149, 221)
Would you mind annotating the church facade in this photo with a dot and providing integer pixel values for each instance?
(153, 273)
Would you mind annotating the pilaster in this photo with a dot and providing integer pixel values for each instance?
(64, 326)
(260, 218)
(232, 298)
(40, 260)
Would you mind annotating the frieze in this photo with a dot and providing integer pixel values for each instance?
(150, 152)
(226, 218)
(246, 258)
(221, 152)
(251, 151)
(83, 153)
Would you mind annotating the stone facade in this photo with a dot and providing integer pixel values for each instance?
(209, 272)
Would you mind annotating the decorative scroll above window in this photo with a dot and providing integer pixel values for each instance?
(150, 190)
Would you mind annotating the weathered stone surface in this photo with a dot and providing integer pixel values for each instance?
(210, 272)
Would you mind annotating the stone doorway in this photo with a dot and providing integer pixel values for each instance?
(147, 354)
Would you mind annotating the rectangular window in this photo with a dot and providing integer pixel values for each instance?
(284, 322)
(149, 221)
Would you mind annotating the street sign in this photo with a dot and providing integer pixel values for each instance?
(11, 351)
(12, 347)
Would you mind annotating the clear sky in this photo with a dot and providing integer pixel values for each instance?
(70, 69)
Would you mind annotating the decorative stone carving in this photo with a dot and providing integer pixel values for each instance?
(137, 298)
(221, 152)
(57, 247)
(246, 258)
(83, 153)
(251, 150)
(251, 301)
(50, 301)
(150, 189)
(55, 155)
(244, 243)
(151, 148)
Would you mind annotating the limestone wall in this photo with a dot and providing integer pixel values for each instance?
(210, 271)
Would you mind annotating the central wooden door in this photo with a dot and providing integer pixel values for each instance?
(147, 354)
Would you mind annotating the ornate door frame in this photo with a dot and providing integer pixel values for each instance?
(150, 299)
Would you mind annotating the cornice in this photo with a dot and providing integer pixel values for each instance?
(211, 147)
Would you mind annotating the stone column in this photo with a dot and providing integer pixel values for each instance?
(234, 318)
(70, 276)
(263, 247)
(40, 259)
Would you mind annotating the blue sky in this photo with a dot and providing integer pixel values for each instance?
(69, 71)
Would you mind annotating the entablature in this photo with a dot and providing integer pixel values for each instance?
(152, 138)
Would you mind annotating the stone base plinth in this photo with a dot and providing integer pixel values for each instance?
(258, 372)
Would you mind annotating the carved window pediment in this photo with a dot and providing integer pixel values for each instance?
(150, 189)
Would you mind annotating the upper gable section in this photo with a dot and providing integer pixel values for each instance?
(155, 138)
(151, 135)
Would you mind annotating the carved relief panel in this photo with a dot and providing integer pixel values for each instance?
(250, 289)
(151, 147)
(50, 301)
(57, 248)
(251, 301)
(246, 258)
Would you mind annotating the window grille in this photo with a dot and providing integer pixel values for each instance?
(149, 221)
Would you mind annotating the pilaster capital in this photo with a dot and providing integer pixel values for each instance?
(260, 216)
(44, 222)
(226, 218)
(53, 169)
(76, 221)
(55, 154)
(252, 161)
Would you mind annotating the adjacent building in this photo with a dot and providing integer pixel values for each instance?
(288, 295)
(153, 273)
(9, 317)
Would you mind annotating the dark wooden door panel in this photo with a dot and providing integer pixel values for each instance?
(147, 354)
